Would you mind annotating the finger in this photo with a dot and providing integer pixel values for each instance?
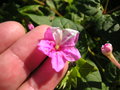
(21, 59)
(45, 78)
(10, 32)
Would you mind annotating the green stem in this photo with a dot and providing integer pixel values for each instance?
(106, 5)
(40, 2)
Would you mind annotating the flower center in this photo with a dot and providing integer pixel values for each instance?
(57, 47)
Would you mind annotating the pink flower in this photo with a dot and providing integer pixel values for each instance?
(107, 48)
(31, 26)
(59, 45)
(107, 51)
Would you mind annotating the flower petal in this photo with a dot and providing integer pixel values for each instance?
(48, 34)
(57, 34)
(106, 48)
(57, 61)
(71, 54)
(46, 46)
(70, 37)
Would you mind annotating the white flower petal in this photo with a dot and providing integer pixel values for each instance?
(57, 34)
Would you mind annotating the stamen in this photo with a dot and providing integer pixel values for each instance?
(57, 47)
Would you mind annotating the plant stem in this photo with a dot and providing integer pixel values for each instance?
(54, 10)
(106, 5)
(113, 60)
(117, 8)
(40, 2)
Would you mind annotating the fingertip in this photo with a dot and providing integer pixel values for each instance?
(12, 26)
(10, 31)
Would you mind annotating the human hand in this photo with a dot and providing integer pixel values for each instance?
(22, 66)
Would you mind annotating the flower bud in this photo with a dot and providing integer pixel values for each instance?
(31, 26)
(106, 49)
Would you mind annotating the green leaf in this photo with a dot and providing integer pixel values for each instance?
(108, 23)
(116, 27)
(85, 68)
(89, 7)
(104, 87)
(66, 23)
(92, 81)
(39, 19)
(30, 9)
(81, 70)
(68, 1)
(50, 3)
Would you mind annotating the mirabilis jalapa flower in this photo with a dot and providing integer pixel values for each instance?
(59, 45)
(106, 50)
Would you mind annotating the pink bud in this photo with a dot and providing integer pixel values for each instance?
(106, 48)
(107, 51)
(31, 26)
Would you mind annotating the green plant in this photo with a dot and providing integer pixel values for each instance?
(98, 22)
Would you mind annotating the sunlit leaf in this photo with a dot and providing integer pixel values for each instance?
(39, 19)
(66, 23)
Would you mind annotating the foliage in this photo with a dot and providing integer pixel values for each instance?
(98, 22)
